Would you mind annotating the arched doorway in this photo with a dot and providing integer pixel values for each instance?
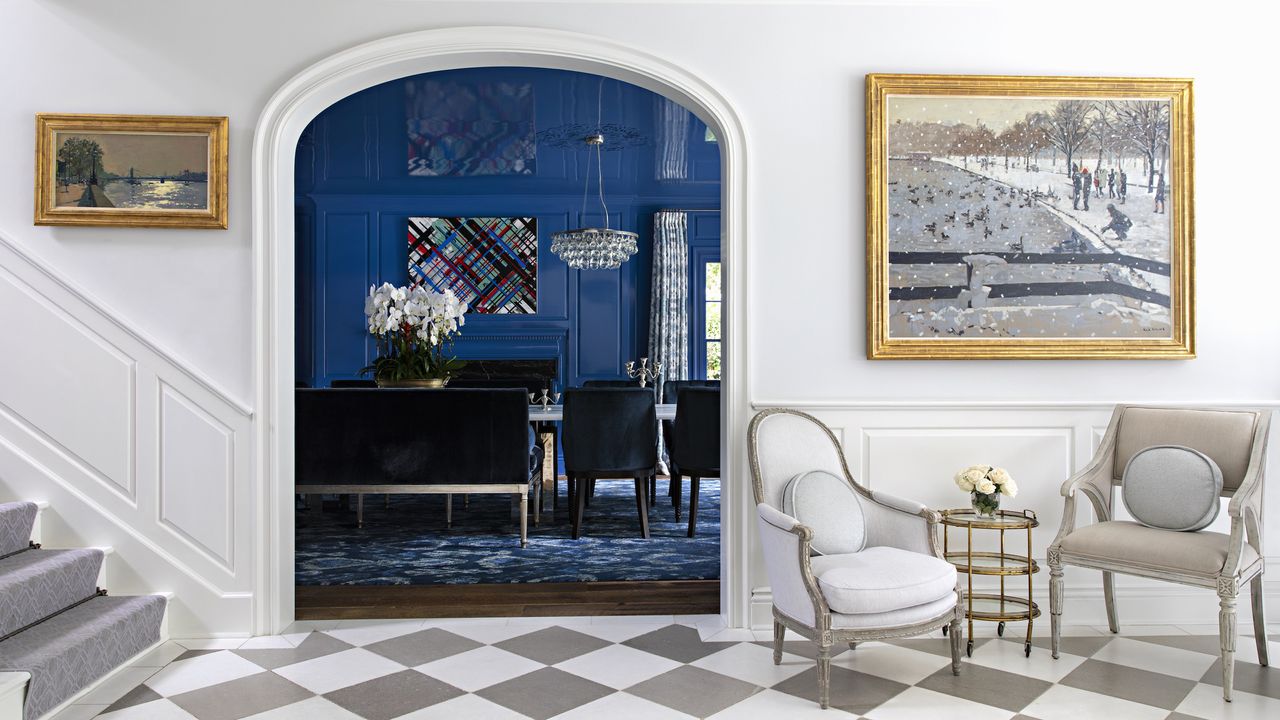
(316, 88)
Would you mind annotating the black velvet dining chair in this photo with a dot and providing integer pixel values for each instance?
(609, 433)
(670, 393)
(694, 444)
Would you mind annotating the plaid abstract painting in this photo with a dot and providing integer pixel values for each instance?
(458, 129)
(491, 263)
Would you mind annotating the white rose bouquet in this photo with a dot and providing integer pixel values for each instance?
(415, 329)
(986, 483)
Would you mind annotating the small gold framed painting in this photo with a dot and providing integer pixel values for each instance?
(131, 170)
(1029, 217)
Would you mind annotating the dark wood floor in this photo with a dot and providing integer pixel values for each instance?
(650, 597)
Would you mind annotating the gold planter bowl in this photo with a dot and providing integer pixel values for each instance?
(412, 383)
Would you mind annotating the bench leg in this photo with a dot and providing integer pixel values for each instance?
(524, 519)
(359, 509)
(448, 509)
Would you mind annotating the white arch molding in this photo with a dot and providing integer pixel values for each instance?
(285, 117)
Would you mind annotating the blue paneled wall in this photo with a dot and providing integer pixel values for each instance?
(354, 195)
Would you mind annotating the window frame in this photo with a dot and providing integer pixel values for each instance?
(699, 258)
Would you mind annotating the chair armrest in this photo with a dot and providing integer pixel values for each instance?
(1095, 481)
(1247, 494)
(904, 524)
(786, 545)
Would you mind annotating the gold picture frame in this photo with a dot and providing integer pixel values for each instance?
(131, 171)
(1037, 291)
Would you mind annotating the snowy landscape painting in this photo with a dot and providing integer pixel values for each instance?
(1006, 222)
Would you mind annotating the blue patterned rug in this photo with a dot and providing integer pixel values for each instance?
(409, 544)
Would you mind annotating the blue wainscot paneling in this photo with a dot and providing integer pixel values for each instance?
(354, 198)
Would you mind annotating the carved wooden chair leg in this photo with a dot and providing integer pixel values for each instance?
(1259, 620)
(779, 635)
(1055, 606)
(1227, 632)
(956, 635)
(824, 676)
(1109, 596)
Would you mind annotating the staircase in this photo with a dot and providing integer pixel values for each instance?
(60, 632)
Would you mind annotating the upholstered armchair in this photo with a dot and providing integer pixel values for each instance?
(1237, 441)
(898, 585)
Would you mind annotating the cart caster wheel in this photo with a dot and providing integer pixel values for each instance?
(968, 650)
(945, 629)
(1026, 649)
(1000, 629)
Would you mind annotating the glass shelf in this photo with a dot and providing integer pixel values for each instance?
(1004, 520)
(986, 606)
(991, 563)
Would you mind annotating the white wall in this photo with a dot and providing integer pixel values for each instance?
(795, 75)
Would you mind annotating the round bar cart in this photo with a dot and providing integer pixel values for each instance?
(999, 607)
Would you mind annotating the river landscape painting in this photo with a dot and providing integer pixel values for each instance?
(134, 170)
(1019, 217)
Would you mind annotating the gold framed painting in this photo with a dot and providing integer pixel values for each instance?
(1029, 217)
(131, 170)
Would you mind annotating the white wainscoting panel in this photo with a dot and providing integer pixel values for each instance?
(73, 387)
(131, 447)
(197, 476)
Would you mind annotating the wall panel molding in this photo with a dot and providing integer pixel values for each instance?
(29, 263)
(165, 431)
(191, 485)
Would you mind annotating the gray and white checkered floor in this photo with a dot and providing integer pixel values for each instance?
(665, 667)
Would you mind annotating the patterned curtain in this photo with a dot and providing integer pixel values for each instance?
(669, 304)
(672, 161)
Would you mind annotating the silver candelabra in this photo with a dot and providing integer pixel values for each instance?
(646, 373)
(545, 400)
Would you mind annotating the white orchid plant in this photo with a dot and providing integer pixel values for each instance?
(415, 328)
(986, 483)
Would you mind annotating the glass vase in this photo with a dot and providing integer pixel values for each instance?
(985, 505)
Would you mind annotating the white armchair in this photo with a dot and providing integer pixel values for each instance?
(1237, 442)
(899, 585)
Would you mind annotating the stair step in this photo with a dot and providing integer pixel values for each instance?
(38, 583)
(17, 520)
(69, 651)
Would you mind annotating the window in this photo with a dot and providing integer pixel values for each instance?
(711, 318)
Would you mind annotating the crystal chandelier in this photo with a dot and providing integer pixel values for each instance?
(594, 248)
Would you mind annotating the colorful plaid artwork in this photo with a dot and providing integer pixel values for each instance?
(489, 262)
(470, 128)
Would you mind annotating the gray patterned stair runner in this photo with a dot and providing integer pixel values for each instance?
(16, 522)
(55, 623)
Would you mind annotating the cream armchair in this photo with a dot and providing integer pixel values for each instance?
(899, 585)
(1237, 442)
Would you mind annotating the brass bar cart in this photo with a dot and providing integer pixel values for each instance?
(991, 607)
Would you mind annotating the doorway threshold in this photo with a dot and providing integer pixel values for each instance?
(621, 597)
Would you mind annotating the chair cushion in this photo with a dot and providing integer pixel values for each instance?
(1172, 487)
(913, 615)
(829, 506)
(1131, 543)
(882, 579)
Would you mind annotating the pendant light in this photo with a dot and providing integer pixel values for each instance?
(601, 248)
